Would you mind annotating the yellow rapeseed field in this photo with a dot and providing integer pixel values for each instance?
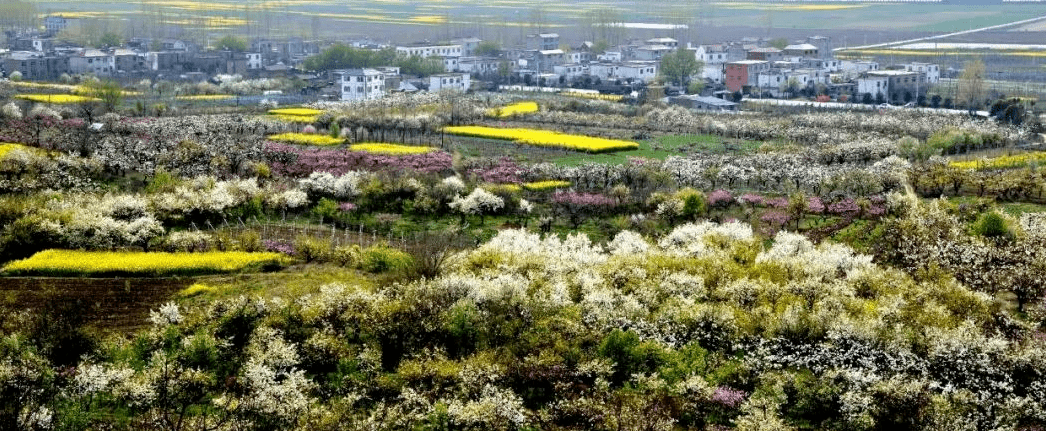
(390, 149)
(513, 109)
(7, 147)
(296, 115)
(57, 98)
(74, 262)
(545, 138)
(596, 96)
(306, 139)
(1002, 162)
(546, 185)
(502, 188)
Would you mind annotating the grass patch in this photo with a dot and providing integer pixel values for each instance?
(668, 145)
(293, 282)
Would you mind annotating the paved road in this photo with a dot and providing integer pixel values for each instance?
(943, 36)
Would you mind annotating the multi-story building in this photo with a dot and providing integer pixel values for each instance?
(801, 50)
(932, 71)
(361, 84)
(36, 66)
(902, 85)
(740, 75)
(570, 71)
(478, 65)
(765, 54)
(93, 61)
(254, 60)
(651, 52)
(873, 86)
(128, 61)
(543, 41)
(425, 51)
(666, 41)
(823, 44)
(57, 23)
(468, 45)
(450, 81)
(636, 71)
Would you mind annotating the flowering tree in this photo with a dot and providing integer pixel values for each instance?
(480, 202)
(577, 206)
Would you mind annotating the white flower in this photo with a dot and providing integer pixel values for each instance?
(454, 183)
(168, 314)
(478, 202)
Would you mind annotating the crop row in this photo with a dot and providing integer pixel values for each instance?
(545, 138)
(72, 262)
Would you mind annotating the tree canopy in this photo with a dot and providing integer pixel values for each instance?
(678, 66)
(972, 87)
(342, 56)
(231, 43)
(488, 48)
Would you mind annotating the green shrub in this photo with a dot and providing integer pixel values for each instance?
(382, 258)
(630, 355)
(312, 249)
(993, 225)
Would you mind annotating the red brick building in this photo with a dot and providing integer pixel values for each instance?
(738, 75)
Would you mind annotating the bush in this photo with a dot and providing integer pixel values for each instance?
(312, 249)
(382, 258)
(993, 225)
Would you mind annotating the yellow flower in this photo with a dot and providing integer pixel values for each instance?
(545, 138)
(546, 185)
(57, 98)
(296, 115)
(74, 262)
(513, 109)
(6, 148)
(390, 149)
(596, 96)
(306, 139)
(1002, 162)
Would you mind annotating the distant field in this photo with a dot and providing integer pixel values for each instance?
(305, 17)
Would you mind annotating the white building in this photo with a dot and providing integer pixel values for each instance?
(450, 64)
(468, 44)
(477, 65)
(570, 71)
(666, 41)
(361, 84)
(93, 61)
(450, 81)
(254, 60)
(713, 57)
(425, 51)
(57, 23)
(873, 85)
(546, 59)
(651, 52)
(858, 66)
(610, 56)
(637, 71)
(543, 41)
(932, 71)
(577, 57)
